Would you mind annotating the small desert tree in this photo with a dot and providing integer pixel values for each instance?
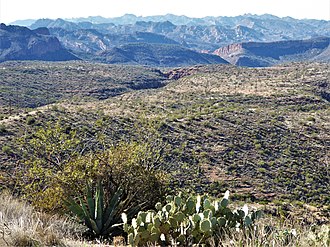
(57, 161)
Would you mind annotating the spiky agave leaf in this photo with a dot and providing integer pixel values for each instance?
(89, 221)
(112, 210)
(99, 205)
(90, 200)
(100, 216)
(75, 208)
(81, 212)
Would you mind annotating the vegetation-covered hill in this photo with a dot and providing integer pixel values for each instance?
(33, 84)
(262, 133)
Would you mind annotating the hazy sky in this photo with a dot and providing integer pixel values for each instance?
(11, 10)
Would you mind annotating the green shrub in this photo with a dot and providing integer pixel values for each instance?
(3, 130)
(30, 120)
(7, 150)
(55, 165)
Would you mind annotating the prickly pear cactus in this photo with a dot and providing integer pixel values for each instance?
(186, 221)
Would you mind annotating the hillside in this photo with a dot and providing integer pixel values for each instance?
(158, 55)
(92, 41)
(258, 54)
(261, 133)
(21, 43)
(324, 56)
(33, 84)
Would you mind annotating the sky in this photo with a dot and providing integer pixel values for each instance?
(11, 10)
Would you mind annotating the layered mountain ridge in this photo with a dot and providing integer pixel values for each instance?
(101, 39)
(207, 33)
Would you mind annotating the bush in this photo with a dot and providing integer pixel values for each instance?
(7, 150)
(3, 130)
(55, 166)
(30, 120)
(119, 166)
(47, 187)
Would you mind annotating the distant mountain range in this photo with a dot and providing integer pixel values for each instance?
(154, 40)
(21, 43)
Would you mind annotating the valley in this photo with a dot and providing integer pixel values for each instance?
(165, 131)
(262, 133)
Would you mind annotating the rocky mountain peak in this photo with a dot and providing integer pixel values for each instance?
(21, 43)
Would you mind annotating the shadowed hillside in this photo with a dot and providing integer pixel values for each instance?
(159, 55)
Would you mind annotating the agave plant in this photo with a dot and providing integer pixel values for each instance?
(102, 216)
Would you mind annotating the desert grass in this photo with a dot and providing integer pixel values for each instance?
(274, 232)
(22, 225)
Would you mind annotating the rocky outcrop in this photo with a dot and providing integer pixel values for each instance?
(260, 54)
(226, 51)
(21, 43)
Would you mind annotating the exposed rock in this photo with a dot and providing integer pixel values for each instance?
(89, 42)
(178, 73)
(200, 33)
(21, 43)
(93, 37)
(261, 54)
